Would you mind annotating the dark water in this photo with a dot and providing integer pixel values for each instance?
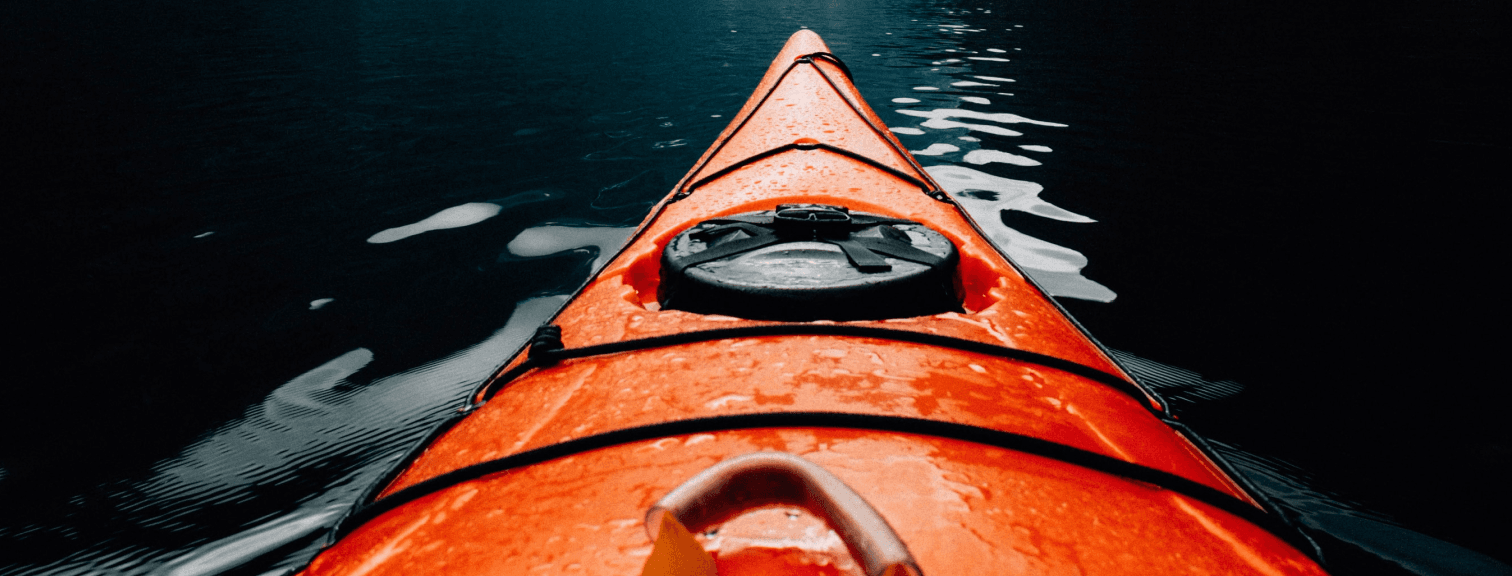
(229, 314)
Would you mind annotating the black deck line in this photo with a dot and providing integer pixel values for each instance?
(898, 424)
(545, 358)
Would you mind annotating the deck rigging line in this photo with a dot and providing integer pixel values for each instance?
(685, 188)
(898, 424)
(546, 349)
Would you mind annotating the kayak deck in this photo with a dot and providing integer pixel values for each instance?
(999, 436)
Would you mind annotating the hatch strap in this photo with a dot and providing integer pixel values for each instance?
(863, 259)
(899, 250)
(760, 239)
(812, 223)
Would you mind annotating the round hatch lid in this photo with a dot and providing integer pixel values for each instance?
(810, 262)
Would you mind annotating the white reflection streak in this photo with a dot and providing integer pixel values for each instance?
(936, 149)
(943, 124)
(548, 240)
(311, 419)
(1001, 117)
(1057, 269)
(985, 156)
(454, 217)
(227, 553)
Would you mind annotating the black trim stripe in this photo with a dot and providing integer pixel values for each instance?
(1300, 538)
(878, 130)
(898, 424)
(413, 453)
(547, 357)
(680, 191)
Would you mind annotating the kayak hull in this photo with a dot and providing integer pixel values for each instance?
(1000, 437)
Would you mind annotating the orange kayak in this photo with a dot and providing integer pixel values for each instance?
(809, 360)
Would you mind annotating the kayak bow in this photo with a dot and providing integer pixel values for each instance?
(809, 360)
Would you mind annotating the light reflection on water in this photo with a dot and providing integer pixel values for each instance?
(454, 217)
(1055, 268)
(990, 156)
(464, 215)
(551, 239)
(320, 424)
(936, 149)
(246, 546)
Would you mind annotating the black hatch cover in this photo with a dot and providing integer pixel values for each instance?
(805, 262)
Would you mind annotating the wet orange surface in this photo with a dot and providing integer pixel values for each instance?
(961, 508)
(811, 373)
